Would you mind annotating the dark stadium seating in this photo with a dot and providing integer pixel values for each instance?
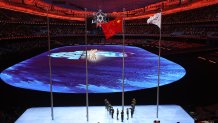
(186, 24)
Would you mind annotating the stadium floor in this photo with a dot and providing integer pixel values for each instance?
(98, 114)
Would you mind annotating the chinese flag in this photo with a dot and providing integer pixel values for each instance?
(112, 27)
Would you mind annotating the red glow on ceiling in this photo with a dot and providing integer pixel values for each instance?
(39, 13)
(38, 7)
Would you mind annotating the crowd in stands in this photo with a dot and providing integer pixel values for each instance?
(18, 17)
(21, 46)
(190, 31)
(204, 14)
(31, 45)
(16, 25)
(23, 27)
(198, 24)
(175, 44)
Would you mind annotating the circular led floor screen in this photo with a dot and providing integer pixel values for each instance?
(104, 63)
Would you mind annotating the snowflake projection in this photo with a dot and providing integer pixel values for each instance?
(99, 18)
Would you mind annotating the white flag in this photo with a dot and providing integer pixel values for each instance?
(155, 19)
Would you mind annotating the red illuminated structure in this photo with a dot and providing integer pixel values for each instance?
(41, 8)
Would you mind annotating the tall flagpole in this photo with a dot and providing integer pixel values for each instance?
(158, 81)
(50, 67)
(123, 70)
(87, 93)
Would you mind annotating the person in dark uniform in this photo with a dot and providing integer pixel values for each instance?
(108, 105)
(127, 113)
(117, 114)
(105, 102)
(112, 113)
(122, 115)
(131, 112)
(156, 121)
(109, 108)
(133, 106)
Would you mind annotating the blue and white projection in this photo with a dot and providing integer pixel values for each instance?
(104, 70)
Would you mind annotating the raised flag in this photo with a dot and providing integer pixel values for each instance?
(112, 27)
(155, 19)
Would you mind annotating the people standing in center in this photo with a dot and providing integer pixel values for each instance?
(127, 113)
(117, 114)
(131, 112)
(112, 112)
(122, 115)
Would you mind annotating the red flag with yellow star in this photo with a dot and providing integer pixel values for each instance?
(112, 27)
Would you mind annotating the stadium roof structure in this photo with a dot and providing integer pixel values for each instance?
(75, 9)
(104, 5)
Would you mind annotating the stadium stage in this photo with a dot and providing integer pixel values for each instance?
(143, 114)
(105, 73)
(104, 66)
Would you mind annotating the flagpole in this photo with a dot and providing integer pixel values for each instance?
(87, 96)
(123, 70)
(50, 67)
(158, 81)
